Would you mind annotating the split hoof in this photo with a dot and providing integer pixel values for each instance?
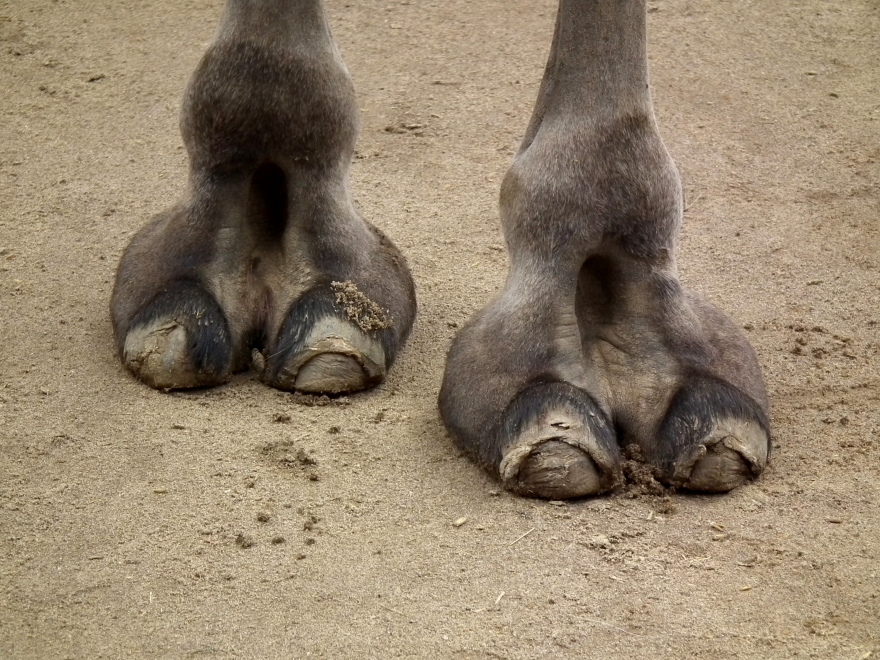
(560, 445)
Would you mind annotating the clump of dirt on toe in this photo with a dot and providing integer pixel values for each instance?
(360, 309)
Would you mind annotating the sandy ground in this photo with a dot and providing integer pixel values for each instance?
(241, 523)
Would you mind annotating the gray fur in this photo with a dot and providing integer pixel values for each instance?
(591, 208)
(269, 121)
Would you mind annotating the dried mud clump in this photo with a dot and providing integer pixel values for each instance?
(639, 476)
(368, 316)
(245, 541)
(318, 400)
(286, 454)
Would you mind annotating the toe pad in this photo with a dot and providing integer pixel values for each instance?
(559, 444)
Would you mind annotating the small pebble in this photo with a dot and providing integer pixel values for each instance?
(244, 541)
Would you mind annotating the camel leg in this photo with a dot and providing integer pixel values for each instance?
(593, 344)
(266, 259)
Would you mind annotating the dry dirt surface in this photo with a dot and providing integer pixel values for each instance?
(243, 522)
